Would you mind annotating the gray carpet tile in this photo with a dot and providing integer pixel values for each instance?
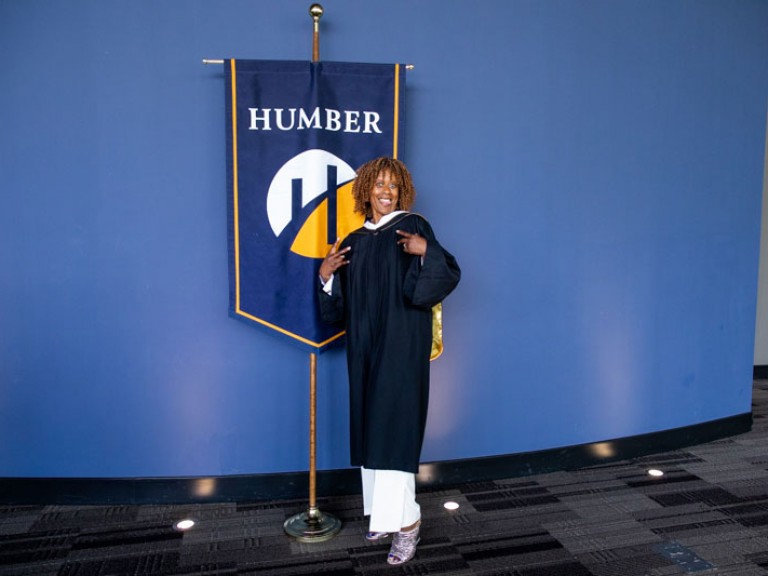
(707, 515)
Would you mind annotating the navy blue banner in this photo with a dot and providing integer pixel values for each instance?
(296, 133)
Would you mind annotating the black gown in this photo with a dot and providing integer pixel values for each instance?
(385, 297)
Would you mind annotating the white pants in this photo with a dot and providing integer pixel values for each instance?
(389, 497)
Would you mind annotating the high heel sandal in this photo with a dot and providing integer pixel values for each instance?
(374, 536)
(404, 546)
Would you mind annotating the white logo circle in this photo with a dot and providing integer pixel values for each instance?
(311, 167)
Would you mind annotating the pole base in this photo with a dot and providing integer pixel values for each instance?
(312, 526)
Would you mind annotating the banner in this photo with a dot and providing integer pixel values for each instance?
(296, 132)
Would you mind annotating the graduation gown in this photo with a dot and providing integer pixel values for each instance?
(385, 297)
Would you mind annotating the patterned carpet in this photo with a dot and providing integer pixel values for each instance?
(708, 514)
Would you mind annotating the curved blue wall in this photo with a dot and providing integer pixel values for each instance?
(596, 167)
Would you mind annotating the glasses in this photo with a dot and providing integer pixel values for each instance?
(381, 185)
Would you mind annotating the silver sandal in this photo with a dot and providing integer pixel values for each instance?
(404, 546)
(374, 536)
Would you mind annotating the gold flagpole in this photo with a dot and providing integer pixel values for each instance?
(313, 525)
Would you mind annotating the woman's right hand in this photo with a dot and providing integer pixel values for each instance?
(336, 259)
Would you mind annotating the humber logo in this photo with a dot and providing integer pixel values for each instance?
(310, 201)
(353, 121)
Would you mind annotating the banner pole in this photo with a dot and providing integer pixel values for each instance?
(312, 431)
(313, 525)
(316, 11)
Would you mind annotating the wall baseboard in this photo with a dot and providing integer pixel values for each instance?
(760, 372)
(294, 485)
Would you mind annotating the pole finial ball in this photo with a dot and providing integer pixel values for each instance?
(315, 11)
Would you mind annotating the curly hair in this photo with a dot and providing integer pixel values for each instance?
(366, 179)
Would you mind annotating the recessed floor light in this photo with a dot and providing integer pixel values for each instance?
(451, 505)
(184, 524)
(655, 473)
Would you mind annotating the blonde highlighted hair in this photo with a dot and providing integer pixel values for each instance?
(366, 180)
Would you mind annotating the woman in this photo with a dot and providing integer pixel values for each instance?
(382, 282)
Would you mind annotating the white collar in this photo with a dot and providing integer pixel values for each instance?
(384, 219)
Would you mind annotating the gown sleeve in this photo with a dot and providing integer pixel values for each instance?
(331, 305)
(427, 283)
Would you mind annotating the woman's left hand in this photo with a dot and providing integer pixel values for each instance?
(412, 243)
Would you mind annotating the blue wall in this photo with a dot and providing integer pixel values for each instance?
(595, 166)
